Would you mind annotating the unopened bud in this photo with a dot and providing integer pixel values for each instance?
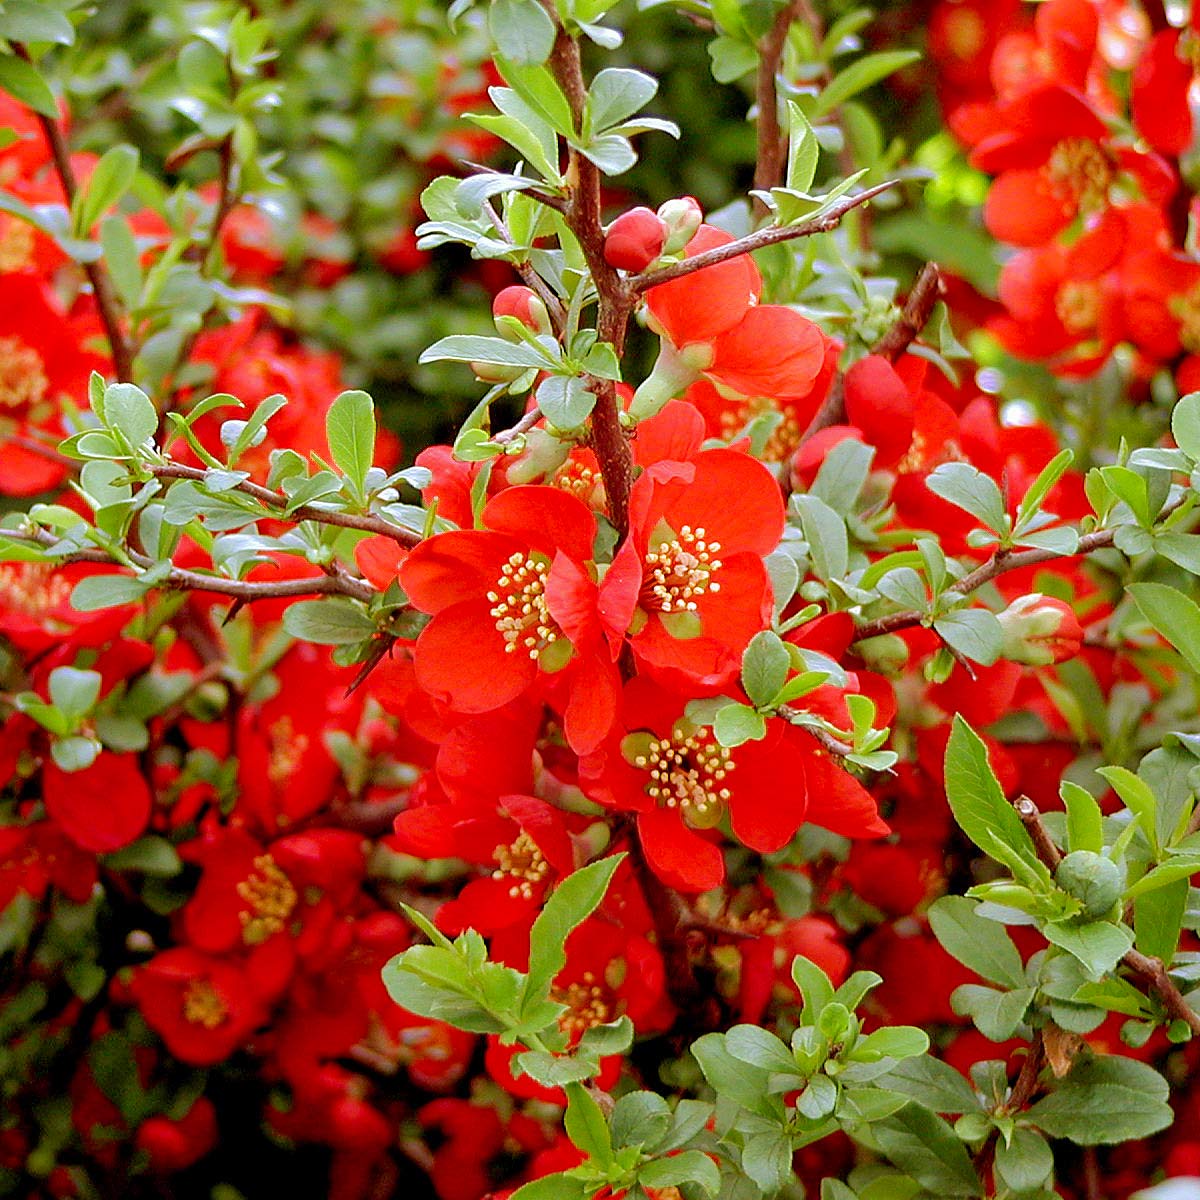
(634, 240)
(525, 305)
(887, 654)
(682, 217)
(1091, 878)
(543, 454)
(1040, 630)
(496, 372)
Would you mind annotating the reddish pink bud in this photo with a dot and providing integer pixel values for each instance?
(878, 402)
(634, 240)
(682, 216)
(173, 1145)
(523, 303)
(1040, 630)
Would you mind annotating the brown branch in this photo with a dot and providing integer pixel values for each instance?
(529, 276)
(1031, 818)
(768, 168)
(305, 512)
(1152, 970)
(524, 425)
(757, 240)
(180, 579)
(96, 272)
(616, 298)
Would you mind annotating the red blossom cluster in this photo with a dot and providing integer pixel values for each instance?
(252, 822)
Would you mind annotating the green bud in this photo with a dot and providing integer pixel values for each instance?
(1093, 879)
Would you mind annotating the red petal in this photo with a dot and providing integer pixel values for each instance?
(770, 790)
(838, 802)
(1024, 208)
(102, 808)
(676, 433)
(773, 351)
(461, 660)
(454, 567)
(548, 519)
(379, 559)
(679, 856)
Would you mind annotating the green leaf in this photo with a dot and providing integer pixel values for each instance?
(121, 258)
(739, 723)
(553, 1070)
(560, 1186)
(111, 179)
(129, 410)
(611, 152)
(932, 1083)
(1085, 822)
(74, 753)
(996, 1014)
(22, 81)
(765, 666)
(586, 1126)
(1174, 616)
(1104, 1101)
(692, 1166)
(922, 1145)
(460, 347)
(974, 632)
(1185, 425)
(816, 989)
(565, 401)
(74, 692)
(1131, 488)
(803, 149)
(616, 93)
(1025, 1162)
(333, 622)
(1039, 489)
(893, 1041)
(1138, 798)
(767, 1160)
(537, 87)
(970, 489)
(522, 30)
(31, 21)
(350, 431)
(1158, 918)
(976, 942)
(733, 1079)
(106, 591)
(825, 533)
(754, 1045)
(640, 1119)
(569, 905)
(860, 75)
(150, 855)
(1098, 945)
(843, 475)
(978, 803)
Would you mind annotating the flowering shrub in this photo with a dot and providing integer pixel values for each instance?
(756, 756)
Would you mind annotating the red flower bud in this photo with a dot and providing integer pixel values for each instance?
(635, 239)
(1040, 630)
(524, 304)
(173, 1145)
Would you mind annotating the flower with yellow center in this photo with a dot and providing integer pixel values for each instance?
(523, 863)
(23, 381)
(679, 569)
(1082, 171)
(519, 605)
(204, 1005)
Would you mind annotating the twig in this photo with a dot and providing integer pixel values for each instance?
(305, 512)
(998, 564)
(524, 425)
(96, 272)
(1152, 970)
(528, 275)
(757, 240)
(768, 168)
(195, 581)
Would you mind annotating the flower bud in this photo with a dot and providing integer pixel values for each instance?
(682, 217)
(634, 240)
(1040, 630)
(1093, 879)
(543, 454)
(525, 305)
(496, 372)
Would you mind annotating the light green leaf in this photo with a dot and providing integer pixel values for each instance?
(970, 489)
(974, 632)
(23, 82)
(112, 178)
(976, 942)
(616, 93)
(1175, 616)
(333, 622)
(765, 666)
(565, 401)
(860, 75)
(739, 723)
(350, 431)
(522, 30)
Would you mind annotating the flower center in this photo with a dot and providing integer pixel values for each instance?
(687, 772)
(784, 438)
(33, 588)
(582, 481)
(202, 1004)
(966, 34)
(1078, 306)
(1082, 170)
(519, 605)
(587, 1006)
(16, 244)
(286, 749)
(679, 570)
(270, 897)
(523, 863)
(23, 379)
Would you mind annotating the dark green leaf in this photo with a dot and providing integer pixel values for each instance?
(585, 1124)
(692, 1166)
(739, 723)
(976, 942)
(1098, 945)
(1104, 1101)
(24, 83)
(932, 1083)
(112, 178)
(922, 1145)
(106, 591)
(565, 401)
(1025, 1162)
(328, 622)
(974, 632)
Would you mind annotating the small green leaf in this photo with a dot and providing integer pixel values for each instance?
(1025, 1162)
(1185, 425)
(976, 942)
(970, 489)
(933, 1083)
(922, 1145)
(33, 21)
(1158, 917)
(129, 410)
(466, 348)
(974, 632)
(565, 401)
(860, 75)
(110, 180)
(106, 591)
(616, 93)
(23, 82)
(1039, 489)
(350, 431)
(522, 30)
(1085, 822)
(803, 149)
(74, 692)
(825, 533)
(738, 723)
(692, 1166)
(333, 622)
(586, 1126)
(765, 666)
(1098, 945)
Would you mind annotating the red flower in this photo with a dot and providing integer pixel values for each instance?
(519, 595)
(689, 582)
(101, 808)
(203, 1007)
(713, 315)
